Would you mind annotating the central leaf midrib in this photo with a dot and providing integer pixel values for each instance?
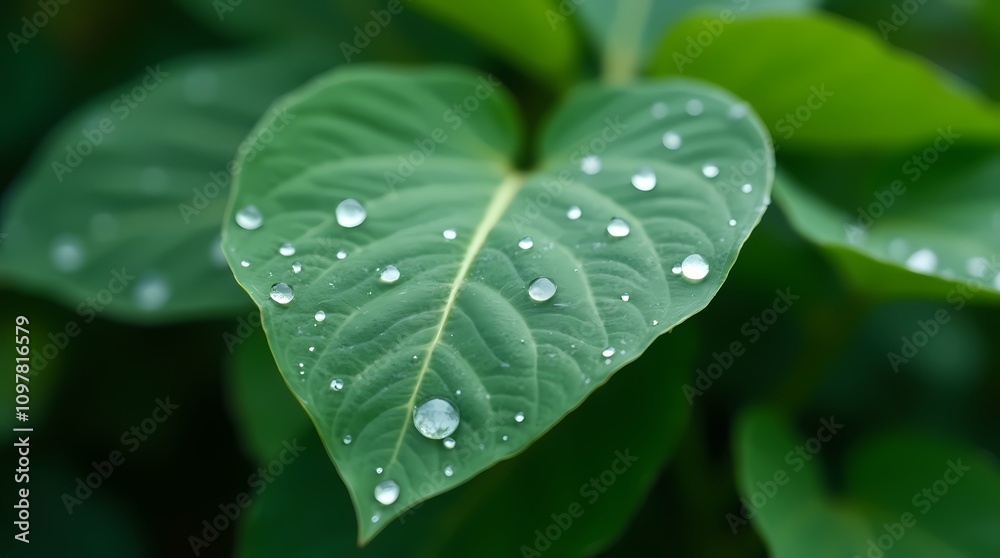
(495, 210)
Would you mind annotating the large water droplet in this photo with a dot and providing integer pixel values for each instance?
(672, 141)
(249, 218)
(542, 289)
(282, 293)
(618, 228)
(450, 234)
(923, 261)
(350, 213)
(67, 253)
(694, 107)
(435, 418)
(448, 471)
(152, 292)
(519, 417)
(525, 243)
(449, 443)
(574, 212)
(694, 268)
(609, 352)
(287, 249)
(590, 164)
(386, 492)
(337, 384)
(644, 179)
(390, 274)
(320, 316)
(710, 170)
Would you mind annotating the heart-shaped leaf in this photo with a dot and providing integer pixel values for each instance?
(120, 210)
(415, 286)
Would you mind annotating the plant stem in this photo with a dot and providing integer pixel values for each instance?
(620, 59)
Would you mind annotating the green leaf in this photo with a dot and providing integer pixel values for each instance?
(628, 32)
(452, 318)
(266, 413)
(896, 233)
(126, 220)
(822, 82)
(308, 513)
(784, 495)
(543, 44)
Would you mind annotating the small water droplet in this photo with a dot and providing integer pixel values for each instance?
(590, 164)
(644, 179)
(337, 384)
(282, 293)
(710, 170)
(448, 471)
(249, 218)
(607, 361)
(923, 261)
(977, 267)
(350, 213)
(676, 269)
(659, 110)
(458, 392)
(312, 349)
(618, 228)
(296, 267)
(525, 243)
(245, 263)
(694, 268)
(390, 274)
(542, 289)
(625, 297)
(746, 188)
(386, 492)
(672, 141)
(732, 222)
(574, 213)
(435, 418)
(341, 254)
(519, 417)
(375, 518)
(505, 438)
(609, 352)
(378, 470)
(67, 253)
(320, 316)
(449, 443)
(287, 249)
(450, 234)
(347, 439)
(694, 107)
(656, 322)
(152, 292)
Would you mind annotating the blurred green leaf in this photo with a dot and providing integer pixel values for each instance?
(309, 513)
(822, 82)
(266, 412)
(910, 233)
(454, 314)
(530, 33)
(887, 509)
(627, 33)
(120, 211)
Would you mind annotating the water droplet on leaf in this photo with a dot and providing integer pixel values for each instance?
(644, 179)
(694, 268)
(287, 249)
(386, 492)
(390, 274)
(350, 213)
(249, 218)
(282, 293)
(542, 289)
(618, 228)
(435, 418)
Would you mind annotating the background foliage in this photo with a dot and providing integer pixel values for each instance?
(812, 327)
